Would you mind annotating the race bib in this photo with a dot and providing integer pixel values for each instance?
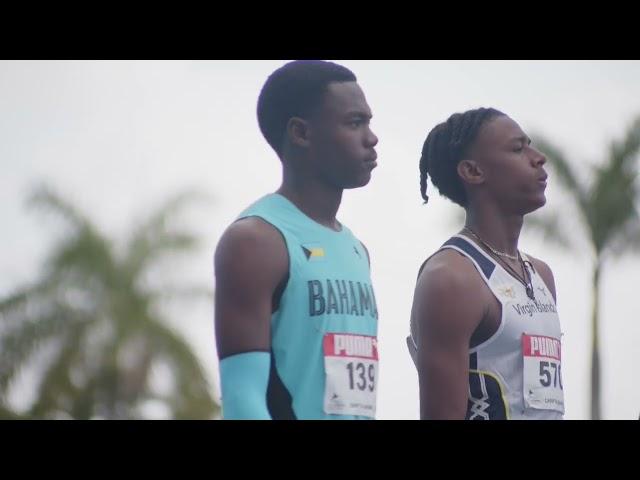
(351, 368)
(542, 373)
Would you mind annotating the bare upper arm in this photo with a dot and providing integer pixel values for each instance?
(449, 304)
(251, 260)
(545, 272)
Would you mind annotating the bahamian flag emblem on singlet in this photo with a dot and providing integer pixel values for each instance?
(313, 251)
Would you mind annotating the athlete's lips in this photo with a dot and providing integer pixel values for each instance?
(543, 179)
(371, 158)
(370, 161)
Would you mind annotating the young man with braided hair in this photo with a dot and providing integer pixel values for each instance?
(485, 334)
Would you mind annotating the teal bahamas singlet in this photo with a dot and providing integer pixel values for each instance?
(324, 352)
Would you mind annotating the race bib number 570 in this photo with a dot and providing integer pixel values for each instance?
(542, 373)
(351, 367)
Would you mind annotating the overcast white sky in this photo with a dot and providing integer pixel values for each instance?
(119, 137)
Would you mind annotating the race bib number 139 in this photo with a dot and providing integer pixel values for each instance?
(351, 368)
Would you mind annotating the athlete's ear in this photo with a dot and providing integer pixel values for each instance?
(298, 132)
(470, 172)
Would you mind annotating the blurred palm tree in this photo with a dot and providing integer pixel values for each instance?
(607, 210)
(92, 321)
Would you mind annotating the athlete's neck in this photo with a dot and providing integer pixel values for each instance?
(314, 199)
(495, 228)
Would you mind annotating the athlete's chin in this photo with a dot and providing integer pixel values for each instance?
(535, 205)
(359, 182)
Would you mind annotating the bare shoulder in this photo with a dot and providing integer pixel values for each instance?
(450, 294)
(251, 260)
(253, 242)
(448, 269)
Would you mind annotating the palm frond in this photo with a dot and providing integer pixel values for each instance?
(193, 396)
(46, 198)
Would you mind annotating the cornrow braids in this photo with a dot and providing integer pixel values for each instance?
(445, 146)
